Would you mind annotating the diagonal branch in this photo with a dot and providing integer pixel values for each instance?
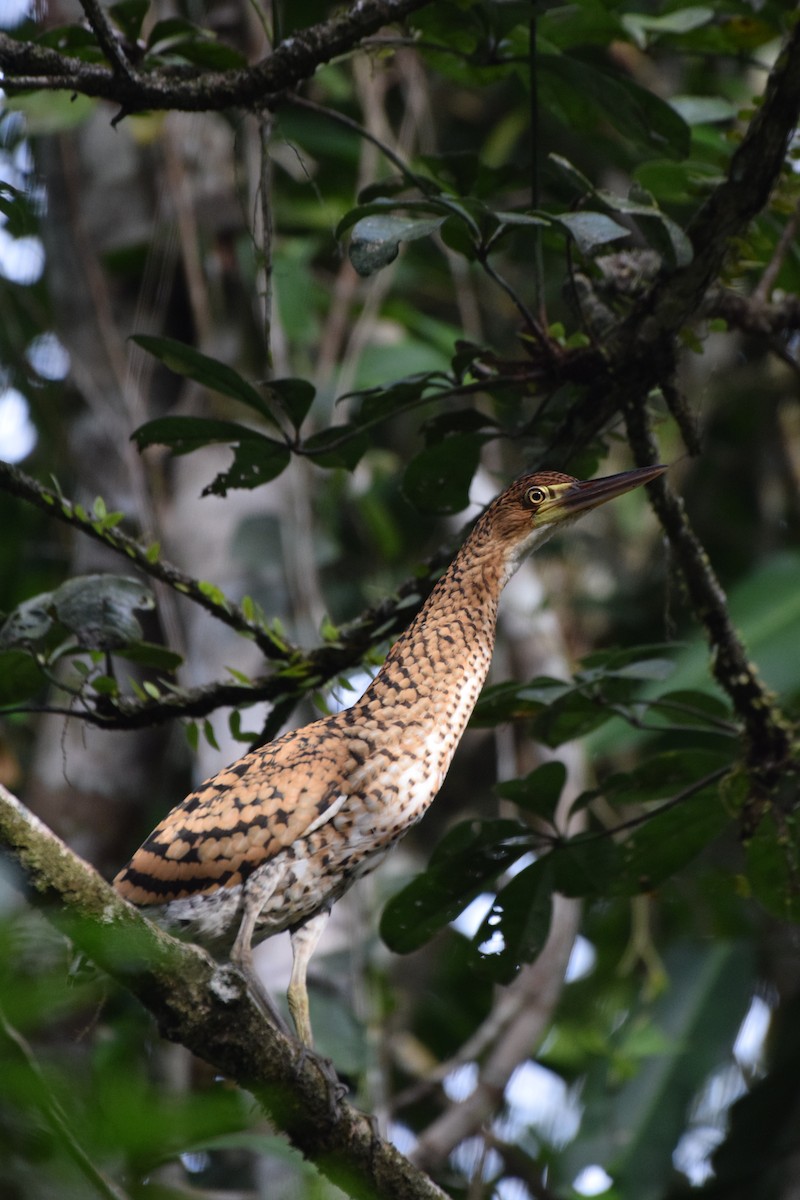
(207, 1008)
(298, 673)
(18, 483)
(104, 32)
(768, 735)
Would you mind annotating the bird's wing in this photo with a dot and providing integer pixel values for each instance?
(241, 817)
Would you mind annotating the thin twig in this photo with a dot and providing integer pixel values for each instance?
(596, 835)
(415, 180)
(265, 122)
(109, 42)
(766, 729)
(763, 290)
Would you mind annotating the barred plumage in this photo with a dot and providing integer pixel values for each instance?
(272, 841)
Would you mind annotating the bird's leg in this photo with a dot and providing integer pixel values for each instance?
(242, 957)
(304, 943)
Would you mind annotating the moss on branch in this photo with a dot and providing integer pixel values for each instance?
(207, 1008)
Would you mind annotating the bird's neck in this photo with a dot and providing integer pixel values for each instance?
(440, 663)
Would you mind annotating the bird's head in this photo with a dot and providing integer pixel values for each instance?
(534, 506)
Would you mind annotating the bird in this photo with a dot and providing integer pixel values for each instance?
(272, 841)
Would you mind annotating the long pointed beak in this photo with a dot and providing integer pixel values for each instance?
(584, 496)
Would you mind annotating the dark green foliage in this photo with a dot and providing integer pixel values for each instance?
(509, 234)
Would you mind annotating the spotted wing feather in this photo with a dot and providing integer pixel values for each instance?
(241, 817)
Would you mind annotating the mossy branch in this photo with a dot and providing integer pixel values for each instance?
(207, 1008)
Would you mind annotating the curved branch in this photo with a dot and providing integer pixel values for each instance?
(26, 65)
(206, 1007)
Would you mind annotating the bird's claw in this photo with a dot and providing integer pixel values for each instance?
(337, 1090)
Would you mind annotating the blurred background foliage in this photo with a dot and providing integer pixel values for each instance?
(292, 355)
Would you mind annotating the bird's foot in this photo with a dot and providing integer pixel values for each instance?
(337, 1090)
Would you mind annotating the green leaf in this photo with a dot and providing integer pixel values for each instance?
(382, 208)
(99, 609)
(682, 20)
(571, 716)
(613, 660)
(213, 374)
(664, 234)
(375, 241)
(471, 855)
(295, 397)
(586, 865)
(186, 434)
(568, 171)
(691, 707)
(662, 775)
(539, 792)
(150, 654)
(439, 478)
(209, 735)
(459, 420)
(633, 1122)
(383, 402)
(704, 110)
(254, 463)
(339, 446)
(216, 56)
(128, 16)
(177, 37)
(20, 677)
(670, 840)
(586, 23)
(518, 923)
(591, 229)
(105, 685)
(256, 459)
(579, 92)
(502, 702)
(773, 865)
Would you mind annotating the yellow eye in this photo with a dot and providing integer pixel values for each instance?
(534, 496)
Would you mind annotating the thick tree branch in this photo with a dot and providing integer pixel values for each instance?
(26, 66)
(206, 1007)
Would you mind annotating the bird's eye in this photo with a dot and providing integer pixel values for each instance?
(534, 496)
